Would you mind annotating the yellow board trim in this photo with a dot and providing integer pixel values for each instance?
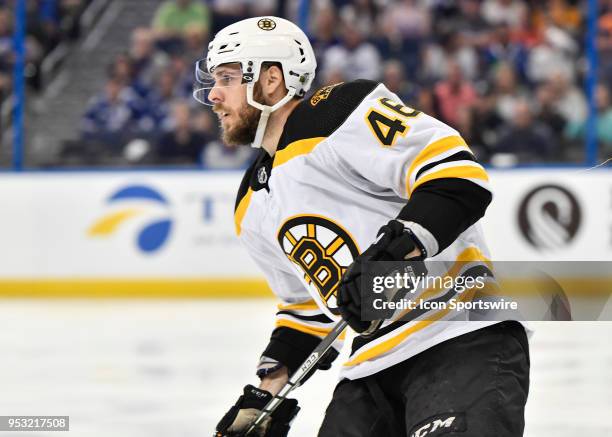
(432, 150)
(575, 287)
(295, 149)
(134, 288)
(462, 171)
(241, 210)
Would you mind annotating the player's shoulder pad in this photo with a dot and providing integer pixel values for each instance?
(321, 113)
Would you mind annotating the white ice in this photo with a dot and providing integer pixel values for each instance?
(153, 368)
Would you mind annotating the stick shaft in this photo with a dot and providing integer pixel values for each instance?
(299, 374)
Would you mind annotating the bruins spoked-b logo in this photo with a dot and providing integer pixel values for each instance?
(321, 249)
(266, 24)
(549, 217)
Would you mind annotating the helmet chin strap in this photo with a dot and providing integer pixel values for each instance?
(265, 112)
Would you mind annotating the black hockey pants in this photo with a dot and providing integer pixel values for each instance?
(474, 385)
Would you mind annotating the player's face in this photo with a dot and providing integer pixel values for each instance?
(238, 119)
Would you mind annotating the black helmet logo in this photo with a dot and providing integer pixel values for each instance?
(266, 24)
(549, 217)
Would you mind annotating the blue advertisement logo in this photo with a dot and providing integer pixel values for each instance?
(153, 235)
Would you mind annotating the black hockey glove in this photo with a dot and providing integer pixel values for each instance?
(394, 243)
(239, 418)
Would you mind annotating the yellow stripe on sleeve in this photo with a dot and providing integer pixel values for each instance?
(308, 305)
(432, 150)
(312, 330)
(462, 171)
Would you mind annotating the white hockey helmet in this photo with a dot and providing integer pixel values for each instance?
(251, 43)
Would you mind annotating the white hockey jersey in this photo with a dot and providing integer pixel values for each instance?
(348, 161)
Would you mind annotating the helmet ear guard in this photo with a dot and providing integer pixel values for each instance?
(256, 41)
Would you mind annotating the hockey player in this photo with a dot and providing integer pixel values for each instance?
(345, 173)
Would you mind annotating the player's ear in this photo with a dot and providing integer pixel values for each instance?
(273, 81)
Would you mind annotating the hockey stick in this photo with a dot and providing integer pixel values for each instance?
(299, 374)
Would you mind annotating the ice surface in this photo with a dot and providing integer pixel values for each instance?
(149, 368)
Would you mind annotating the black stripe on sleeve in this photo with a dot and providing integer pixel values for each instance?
(464, 155)
(446, 207)
(291, 348)
(322, 318)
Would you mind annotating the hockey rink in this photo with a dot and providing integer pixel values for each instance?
(153, 368)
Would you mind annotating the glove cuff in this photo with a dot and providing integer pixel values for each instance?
(420, 235)
(254, 397)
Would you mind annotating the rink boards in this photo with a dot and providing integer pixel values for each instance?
(171, 234)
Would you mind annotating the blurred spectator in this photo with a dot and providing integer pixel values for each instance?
(454, 94)
(354, 57)
(332, 76)
(556, 53)
(220, 156)
(69, 14)
(506, 91)
(577, 129)
(404, 27)
(226, 12)
(451, 49)
(472, 63)
(569, 101)
(324, 32)
(174, 17)
(146, 61)
(501, 48)
(159, 103)
(182, 144)
(473, 132)
(6, 50)
(511, 12)
(393, 78)
(426, 102)
(470, 24)
(565, 14)
(195, 42)
(604, 42)
(547, 112)
(361, 14)
(41, 23)
(112, 114)
(183, 76)
(525, 137)
(406, 19)
(123, 70)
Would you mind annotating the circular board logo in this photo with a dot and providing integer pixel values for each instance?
(266, 24)
(549, 217)
(321, 249)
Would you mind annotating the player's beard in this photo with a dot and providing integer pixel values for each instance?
(243, 131)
